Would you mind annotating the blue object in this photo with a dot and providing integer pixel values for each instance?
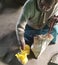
(56, 28)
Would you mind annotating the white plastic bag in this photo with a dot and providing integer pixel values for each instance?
(40, 44)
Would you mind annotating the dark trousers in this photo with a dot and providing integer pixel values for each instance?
(30, 33)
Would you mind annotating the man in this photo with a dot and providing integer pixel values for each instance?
(35, 19)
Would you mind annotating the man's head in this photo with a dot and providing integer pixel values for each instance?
(49, 2)
(45, 5)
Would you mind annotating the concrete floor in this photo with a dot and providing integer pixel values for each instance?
(8, 20)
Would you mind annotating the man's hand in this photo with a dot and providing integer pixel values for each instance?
(55, 18)
(22, 45)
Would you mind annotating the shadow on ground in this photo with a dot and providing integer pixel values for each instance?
(8, 48)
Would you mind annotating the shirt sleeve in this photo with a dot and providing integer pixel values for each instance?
(26, 13)
(56, 14)
(56, 9)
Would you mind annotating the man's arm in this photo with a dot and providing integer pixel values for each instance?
(53, 19)
(24, 16)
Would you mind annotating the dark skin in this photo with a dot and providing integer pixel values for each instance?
(45, 5)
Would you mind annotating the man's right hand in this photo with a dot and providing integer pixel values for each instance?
(22, 46)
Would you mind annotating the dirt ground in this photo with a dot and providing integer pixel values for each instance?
(8, 20)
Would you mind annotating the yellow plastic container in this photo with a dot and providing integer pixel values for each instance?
(22, 56)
